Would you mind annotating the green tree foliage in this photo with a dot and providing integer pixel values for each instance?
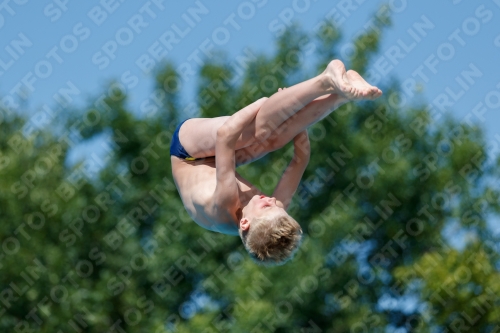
(106, 245)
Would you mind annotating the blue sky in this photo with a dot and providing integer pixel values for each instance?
(46, 45)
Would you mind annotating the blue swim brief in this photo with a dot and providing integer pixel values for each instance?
(176, 148)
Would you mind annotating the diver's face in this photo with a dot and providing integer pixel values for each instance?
(260, 205)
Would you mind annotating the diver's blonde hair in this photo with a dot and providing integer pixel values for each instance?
(272, 241)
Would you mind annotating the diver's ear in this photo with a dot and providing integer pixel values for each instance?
(244, 224)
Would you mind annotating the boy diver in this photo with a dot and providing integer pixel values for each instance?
(219, 199)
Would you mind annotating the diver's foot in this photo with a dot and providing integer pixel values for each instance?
(367, 91)
(349, 85)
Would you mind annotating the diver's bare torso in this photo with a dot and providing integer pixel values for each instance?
(196, 181)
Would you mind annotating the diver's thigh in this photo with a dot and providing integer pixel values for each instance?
(197, 135)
